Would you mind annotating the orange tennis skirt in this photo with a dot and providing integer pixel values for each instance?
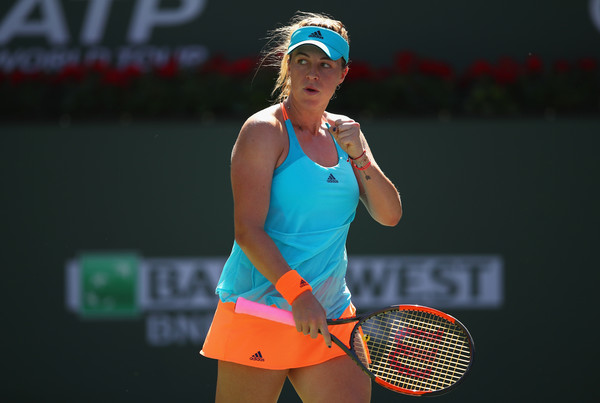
(262, 343)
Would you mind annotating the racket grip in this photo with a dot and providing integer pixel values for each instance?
(264, 311)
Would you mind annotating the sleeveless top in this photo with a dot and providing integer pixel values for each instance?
(310, 212)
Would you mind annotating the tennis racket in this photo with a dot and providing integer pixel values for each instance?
(410, 349)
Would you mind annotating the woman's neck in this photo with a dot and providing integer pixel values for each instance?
(304, 119)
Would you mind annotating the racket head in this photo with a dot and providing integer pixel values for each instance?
(413, 350)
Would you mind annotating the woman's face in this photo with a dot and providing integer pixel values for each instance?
(313, 75)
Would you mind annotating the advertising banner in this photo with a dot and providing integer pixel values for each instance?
(51, 34)
(175, 296)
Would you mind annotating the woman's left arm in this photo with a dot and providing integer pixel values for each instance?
(377, 192)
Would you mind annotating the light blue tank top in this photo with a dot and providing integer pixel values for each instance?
(310, 212)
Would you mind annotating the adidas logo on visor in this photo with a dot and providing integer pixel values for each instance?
(316, 34)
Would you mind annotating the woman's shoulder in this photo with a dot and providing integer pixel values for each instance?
(263, 131)
(265, 121)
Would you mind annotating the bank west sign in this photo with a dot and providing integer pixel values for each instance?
(176, 296)
(41, 35)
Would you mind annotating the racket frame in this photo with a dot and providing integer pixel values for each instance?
(405, 307)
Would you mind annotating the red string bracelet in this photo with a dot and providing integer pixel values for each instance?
(362, 168)
(363, 153)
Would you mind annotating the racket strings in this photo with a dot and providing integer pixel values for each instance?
(413, 350)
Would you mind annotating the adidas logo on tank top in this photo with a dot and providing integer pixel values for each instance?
(332, 179)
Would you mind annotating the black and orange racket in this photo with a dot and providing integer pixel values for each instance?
(410, 349)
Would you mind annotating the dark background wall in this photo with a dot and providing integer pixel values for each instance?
(524, 189)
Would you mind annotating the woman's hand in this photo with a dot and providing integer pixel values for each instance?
(348, 135)
(310, 317)
(377, 192)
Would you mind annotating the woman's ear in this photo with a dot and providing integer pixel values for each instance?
(344, 73)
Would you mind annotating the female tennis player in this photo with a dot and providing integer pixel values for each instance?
(297, 174)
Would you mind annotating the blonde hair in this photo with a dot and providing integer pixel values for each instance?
(275, 52)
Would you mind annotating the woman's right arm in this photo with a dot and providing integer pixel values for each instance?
(256, 153)
(253, 160)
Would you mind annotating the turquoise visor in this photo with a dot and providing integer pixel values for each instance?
(330, 42)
